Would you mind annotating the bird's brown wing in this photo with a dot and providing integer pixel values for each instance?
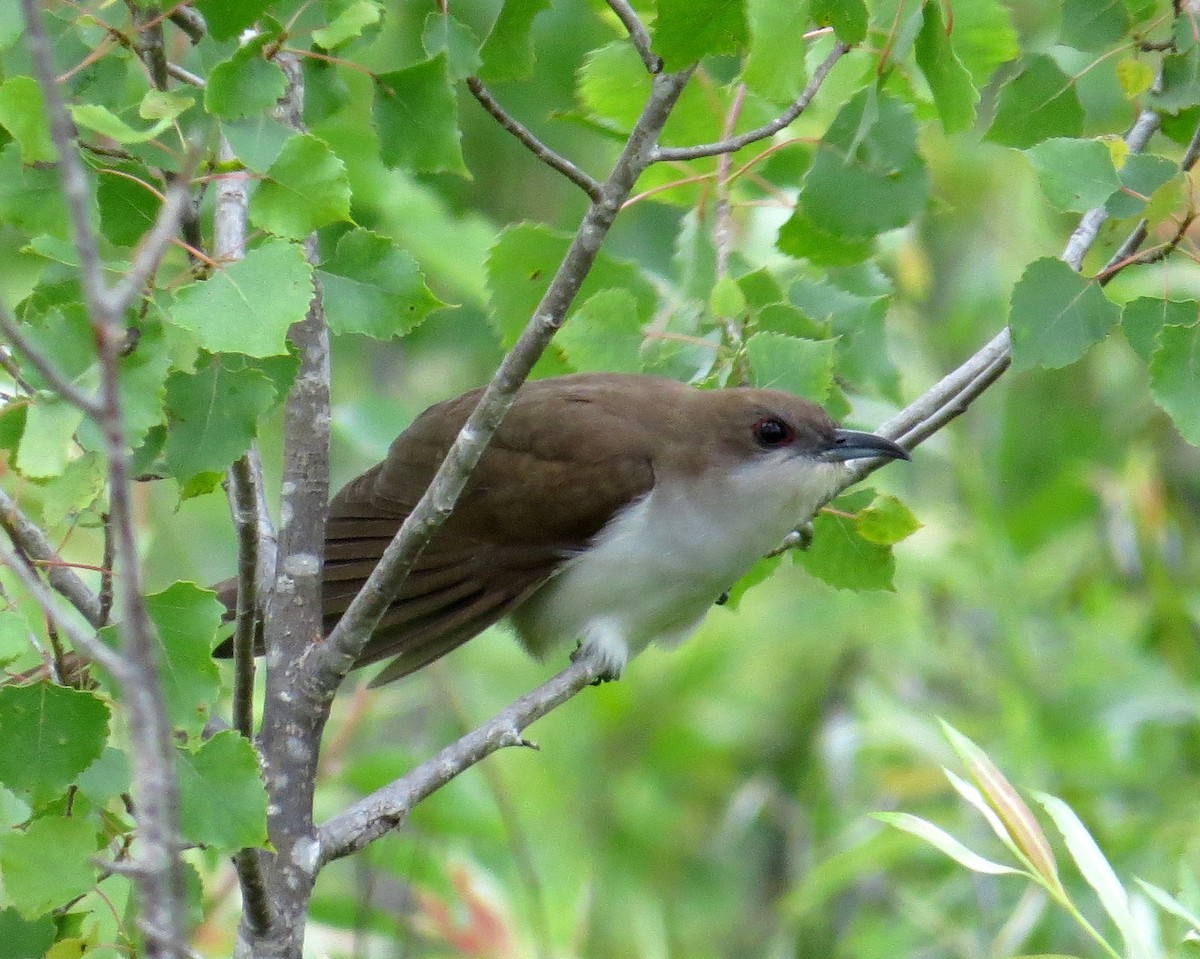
(570, 454)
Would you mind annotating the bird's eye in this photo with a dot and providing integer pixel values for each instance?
(772, 432)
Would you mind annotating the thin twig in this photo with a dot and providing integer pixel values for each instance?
(732, 144)
(55, 378)
(638, 35)
(30, 539)
(535, 146)
(386, 808)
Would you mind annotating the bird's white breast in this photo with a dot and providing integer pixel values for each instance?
(658, 566)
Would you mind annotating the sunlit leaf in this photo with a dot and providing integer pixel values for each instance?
(940, 839)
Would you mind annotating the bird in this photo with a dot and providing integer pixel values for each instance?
(609, 511)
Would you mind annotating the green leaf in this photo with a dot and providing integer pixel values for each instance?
(1095, 868)
(444, 34)
(799, 237)
(605, 334)
(225, 19)
(867, 177)
(840, 557)
(507, 53)
(953, 92)
(943, 841)
(847, 17)
(214, 414)
(349, 25)
(1142, 174)
(1169, 904)
(22, 938)
(226, 766)
(689, 30)
(1142, 319)
(246, 84)
(521, 264)
(1075, 175)
(49, 736)
(1180, 84)
(773, 70)
(23, 114)
(416, 115)
(1089, 24)
(802, 367)
(108, 777)
(247, 306)
(726, 299)
(1039, 103)
(258, 140)
(127, 209)
(373, 287)
(142, 384)
(75, 489)
(187, 618)
(984, 37)
(306, 188)
(1056, 314)
(92, 116)
(50, 426)
(1175, 378)
(886, 521)
(1135, 76)
(29, 885)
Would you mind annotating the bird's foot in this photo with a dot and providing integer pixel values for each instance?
(723, 598)
(609, 672)
(799, 538)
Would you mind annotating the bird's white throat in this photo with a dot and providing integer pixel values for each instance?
(656, 569)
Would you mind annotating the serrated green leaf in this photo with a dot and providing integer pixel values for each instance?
(1056, 314)
(127, 208)
(26, 938)
(943, 841)
(246, 84)
(225, 19)
(847, 17)
(226, 766)
(1092, 24)
(1175, 378)
(187, 618)
(1179, 87)
(886, 521)
(1143, 318)
(843, 559)
(445, 34)
(1075, 175)
(1141, 175)
(69, 844)
(760, 288)
(76, 488)
(984, 37)
(867, 177)
(686, 31)
(349, 24)
(23, 114)
(1039, 103)
(416, 115)
(373, 287)
(257, 140)
(799, 237)
(49, 736)
(802, 367)
(306, 188)
(773, 70)
(521, 264)
(247, 306)
(214, 414)
(605, 334)
(507, 53)
(142, 384)
(50, 425)
(99, 119)
(953, 92)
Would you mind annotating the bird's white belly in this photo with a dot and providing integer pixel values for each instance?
(656, 569)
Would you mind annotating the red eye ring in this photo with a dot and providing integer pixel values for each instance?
(771, 432)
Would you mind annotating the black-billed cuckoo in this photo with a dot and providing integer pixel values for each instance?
(610, 510)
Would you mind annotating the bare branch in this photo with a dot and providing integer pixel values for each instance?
(638, 35)
(535, 146)
(243, 501)
(190, 21)
(732, 144)
(55, 379)
(81, 639)
(388, 807)
(34, 543)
